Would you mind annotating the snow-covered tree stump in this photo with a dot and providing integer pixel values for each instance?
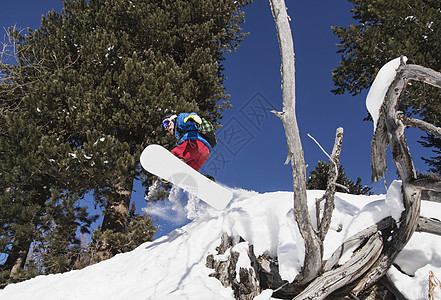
(243, 280)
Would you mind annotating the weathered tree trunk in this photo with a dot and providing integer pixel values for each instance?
(324, 223)
(17, 258)
(390, 131)
(116, 216)
(389, 121)
(117, 211)
(313, 253)
(332, 280)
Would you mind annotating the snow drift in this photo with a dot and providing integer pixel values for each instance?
(174, 266)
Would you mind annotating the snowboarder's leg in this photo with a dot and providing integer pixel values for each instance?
(194, 152)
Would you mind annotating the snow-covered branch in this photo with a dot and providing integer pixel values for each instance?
(389, 119)
(389, 131)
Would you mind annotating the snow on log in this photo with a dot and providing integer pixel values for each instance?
(377, 92)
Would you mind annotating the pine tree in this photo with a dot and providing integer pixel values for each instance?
(385, 30)
(87, 93)
(140, 229)
(59, 247)
(318, 180)
(33, 166)
(30, 206)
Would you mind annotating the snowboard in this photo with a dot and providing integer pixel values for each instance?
(162, 163)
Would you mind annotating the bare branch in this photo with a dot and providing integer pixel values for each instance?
(379, 144)
(422, 74)
(355, 241)
(389, 123)
(426, 183)
(334, 160)
(390, 131)
(279, 114)
(330, 281)
(429, 225)
(436, 131)
(320, 146)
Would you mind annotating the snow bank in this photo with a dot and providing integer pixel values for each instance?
(174, 266)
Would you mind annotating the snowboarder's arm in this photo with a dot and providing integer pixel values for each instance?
(185, 122)
(193, 117)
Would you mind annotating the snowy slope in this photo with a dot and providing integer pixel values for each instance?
(173, 267)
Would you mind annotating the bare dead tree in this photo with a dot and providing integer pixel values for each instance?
(377, 246)
(313, 255)
(390, 132)
(324, 222)
(375, 257)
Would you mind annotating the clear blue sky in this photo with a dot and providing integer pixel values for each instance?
(252, 145)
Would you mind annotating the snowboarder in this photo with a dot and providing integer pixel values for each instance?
(192, 147)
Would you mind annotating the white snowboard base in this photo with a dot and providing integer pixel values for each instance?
(162, 163)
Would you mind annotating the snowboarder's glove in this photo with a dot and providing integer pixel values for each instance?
(193, 118)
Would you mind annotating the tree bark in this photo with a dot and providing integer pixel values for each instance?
(17, 258)
(313, 254)
(117, 211)
(116, 216)
(427, 184)
(429, 225)
(334, 161)
(330, 281)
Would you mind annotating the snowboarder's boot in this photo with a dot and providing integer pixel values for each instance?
(209, 177)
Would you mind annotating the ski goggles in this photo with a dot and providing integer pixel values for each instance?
(166, 122)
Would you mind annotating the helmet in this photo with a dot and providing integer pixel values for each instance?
(170, 116)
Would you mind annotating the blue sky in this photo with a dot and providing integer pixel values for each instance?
(252, 147)
(254, 74)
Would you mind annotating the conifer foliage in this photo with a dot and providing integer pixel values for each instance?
(85, 96)
(386, 30)
(318, 180)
